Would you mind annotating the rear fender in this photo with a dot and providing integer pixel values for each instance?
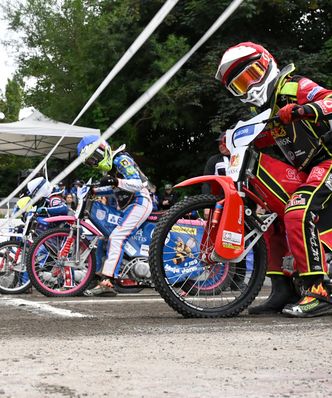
(229, 242)
(67, 219)
(218, 184)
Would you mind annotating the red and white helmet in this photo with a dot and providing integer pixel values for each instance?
(248, 70)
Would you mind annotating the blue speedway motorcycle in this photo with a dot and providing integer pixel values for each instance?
(63, 261)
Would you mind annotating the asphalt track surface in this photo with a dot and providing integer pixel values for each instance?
(136, 346)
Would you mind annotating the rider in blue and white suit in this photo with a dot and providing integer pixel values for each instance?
(125, 179)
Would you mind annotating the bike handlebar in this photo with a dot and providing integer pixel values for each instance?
(272, 119)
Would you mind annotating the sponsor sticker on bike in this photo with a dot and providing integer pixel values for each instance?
(184, 230)
(100, 214)
(235, 160)
(230, 246)
(130, 249)
(139, 236)
(231, 237)
(244, 132)
(144, 250)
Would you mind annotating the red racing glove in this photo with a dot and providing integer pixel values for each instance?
(289, 113)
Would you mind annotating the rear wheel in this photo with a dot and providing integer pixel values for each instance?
(14, 278)
(60, 277)
(201, 289)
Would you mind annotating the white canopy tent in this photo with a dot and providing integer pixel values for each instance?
(36, 135)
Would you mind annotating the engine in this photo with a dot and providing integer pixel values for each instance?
(137, 269)
(140, 268)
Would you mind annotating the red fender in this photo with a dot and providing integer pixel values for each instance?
(229, 242)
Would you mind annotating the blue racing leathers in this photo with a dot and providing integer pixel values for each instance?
(136, 210)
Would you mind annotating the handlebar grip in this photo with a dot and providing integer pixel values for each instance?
(298, 112)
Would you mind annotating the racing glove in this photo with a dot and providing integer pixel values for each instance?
(109, 181)
(42, 211)
(291, 112)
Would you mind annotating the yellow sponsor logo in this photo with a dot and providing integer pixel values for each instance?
(230, 246)
(184, 230)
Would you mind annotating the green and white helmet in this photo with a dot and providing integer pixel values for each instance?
(102, 157)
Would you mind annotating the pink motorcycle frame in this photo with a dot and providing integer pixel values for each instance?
(72, 220)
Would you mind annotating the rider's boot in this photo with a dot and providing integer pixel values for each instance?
(283, 292)
(315, 301)
(104, 288)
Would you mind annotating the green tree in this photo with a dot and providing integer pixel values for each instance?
(11, 165)
(11, 102)
(70, 46)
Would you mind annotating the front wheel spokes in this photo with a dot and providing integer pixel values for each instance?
(13, 275)
(54, 246)
(55, 276)
(181, 266)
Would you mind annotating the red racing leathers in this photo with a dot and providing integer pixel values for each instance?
(304, 151)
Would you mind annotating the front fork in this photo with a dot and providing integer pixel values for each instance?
(79, 257)
(261, 226)
(21, 251)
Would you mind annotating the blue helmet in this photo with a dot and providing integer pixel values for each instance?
(102, 157)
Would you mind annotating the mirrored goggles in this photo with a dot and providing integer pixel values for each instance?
(251, 75)
(95, 158)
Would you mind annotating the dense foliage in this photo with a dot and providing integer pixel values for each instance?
(69, 46)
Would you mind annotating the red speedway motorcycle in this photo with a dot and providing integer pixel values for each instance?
(233, 230)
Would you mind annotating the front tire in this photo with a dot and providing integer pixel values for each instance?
(227, 297)
(14, 278)
(48, 273)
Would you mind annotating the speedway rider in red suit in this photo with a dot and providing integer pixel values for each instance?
(124, 178)
(250, 72)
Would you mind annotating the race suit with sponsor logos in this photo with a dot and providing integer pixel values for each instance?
(302, 148)
(136, 210)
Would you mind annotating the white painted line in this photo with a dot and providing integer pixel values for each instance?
(42, 307)
(114, 300)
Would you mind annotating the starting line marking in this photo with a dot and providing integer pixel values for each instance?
(43, 307)
(114, 300)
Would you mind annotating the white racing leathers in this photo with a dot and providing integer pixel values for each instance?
(134, 214)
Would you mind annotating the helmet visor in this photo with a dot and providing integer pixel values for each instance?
(95, 158)
(251, 75)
